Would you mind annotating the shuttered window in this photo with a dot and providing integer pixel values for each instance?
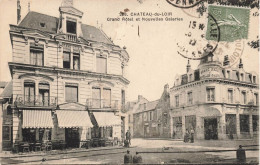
(101, 65)
(66, 60)
(36, 56)
(107, 98)
(71, 93)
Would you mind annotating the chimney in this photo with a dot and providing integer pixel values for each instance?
(18, 12)
(240, 64)
(139, 98)
(29, 7)
(226, 60)
(166, 87)
(188, 66)
(67, 3)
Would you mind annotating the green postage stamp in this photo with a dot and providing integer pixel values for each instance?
(231, 21)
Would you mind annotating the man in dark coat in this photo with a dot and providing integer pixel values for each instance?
(128, 137)
(128, 157)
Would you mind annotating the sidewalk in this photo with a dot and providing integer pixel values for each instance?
(9, 154)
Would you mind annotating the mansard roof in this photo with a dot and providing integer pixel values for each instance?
(8, 90)
(33, 20)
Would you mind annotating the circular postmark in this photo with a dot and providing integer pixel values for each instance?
(195, 45)
(184, 4)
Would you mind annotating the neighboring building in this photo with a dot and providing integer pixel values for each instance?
(131, 108)
(68, 80)
(6, 117)
(144, 119)
(217, 101)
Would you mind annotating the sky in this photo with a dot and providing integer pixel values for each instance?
(154, 60)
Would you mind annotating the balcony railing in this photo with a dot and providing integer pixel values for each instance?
(38, 100)
(102, 104)
(71, 37)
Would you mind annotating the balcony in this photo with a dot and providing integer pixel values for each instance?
(71, 37)
(35, 101)
(102, 104)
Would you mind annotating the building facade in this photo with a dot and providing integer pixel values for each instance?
(216, 100)
(68, 80)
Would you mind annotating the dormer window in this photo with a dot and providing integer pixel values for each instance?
(71, 27)
(254, 79)
(228, 74)
(242, 77)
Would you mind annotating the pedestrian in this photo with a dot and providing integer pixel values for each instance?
(241, 155)
(128, 137)
(186, 136)
(128, 158)
(137, 158)
(192, 135)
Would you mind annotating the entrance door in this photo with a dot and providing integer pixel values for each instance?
(211, 128)
(72, 137)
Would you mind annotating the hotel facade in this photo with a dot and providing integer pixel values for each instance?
(216, 100)
(68, 80)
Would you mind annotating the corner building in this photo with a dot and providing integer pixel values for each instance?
(216, 100)
(68, 80)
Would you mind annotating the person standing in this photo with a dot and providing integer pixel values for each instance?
(128, 157)
(186, 136)
(192, 135)
(128, 137)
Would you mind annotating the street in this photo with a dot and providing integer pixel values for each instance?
(114, 155)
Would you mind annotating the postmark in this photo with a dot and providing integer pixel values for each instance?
(232, 21)
(195, 45)
(184, 4)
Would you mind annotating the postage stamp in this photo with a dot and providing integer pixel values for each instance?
(232, 21)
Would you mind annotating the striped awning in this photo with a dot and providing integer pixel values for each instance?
(37, 119)
(106, 119)
(73, 119)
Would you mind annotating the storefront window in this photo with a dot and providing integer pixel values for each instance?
(231, 124)
(29, 135)
(255, 122)
(244, 123)
(6, 132)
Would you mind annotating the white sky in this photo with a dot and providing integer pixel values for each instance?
(154, 61)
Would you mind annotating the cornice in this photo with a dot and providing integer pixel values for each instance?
(13, 65)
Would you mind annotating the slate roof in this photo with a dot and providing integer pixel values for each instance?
(33, 20)
(8, 91)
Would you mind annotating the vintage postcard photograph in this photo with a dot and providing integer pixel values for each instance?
(129, 82)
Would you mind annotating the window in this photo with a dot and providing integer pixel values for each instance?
(29, 93)
(122, 97)
(101, 65)
(107, 98)
(76, 61)
(66, 60)
(210, 94)
(44, 92)
(190, 99)
(29, 134)
(71, 93)
(9, 110)
(254, 79)
(190, 76)
(71, 27)
(244, 123)
(151, 115)
(256, 98)
(243, 97)
(255, 119)
(36, 55)
(177, 101)
(228, 74)
(6, 133)
(96, 97)
(230, 96)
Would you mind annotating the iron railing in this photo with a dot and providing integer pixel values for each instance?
(35, 100)
(102, 103)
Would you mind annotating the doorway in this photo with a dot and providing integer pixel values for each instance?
(72, 137)
(211, 128)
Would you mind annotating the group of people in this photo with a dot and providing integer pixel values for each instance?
(129, 159)
(189, 136)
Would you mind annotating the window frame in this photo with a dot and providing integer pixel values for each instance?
(190, 98)
(71, 21)
(71, 85)
(35, 50)
(177, 100)
(105, 67)
(212, 92)
(232, 95)
(9, 133)
(244, 100)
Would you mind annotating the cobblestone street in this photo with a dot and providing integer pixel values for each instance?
(114, 155)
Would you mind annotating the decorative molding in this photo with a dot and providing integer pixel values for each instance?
(46, 43)
(36, 75)
(101, 81)
(26, 40)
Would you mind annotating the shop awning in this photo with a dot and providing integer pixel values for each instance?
(72, 119)
(209, 112)
(37, 119)
(106, 119)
